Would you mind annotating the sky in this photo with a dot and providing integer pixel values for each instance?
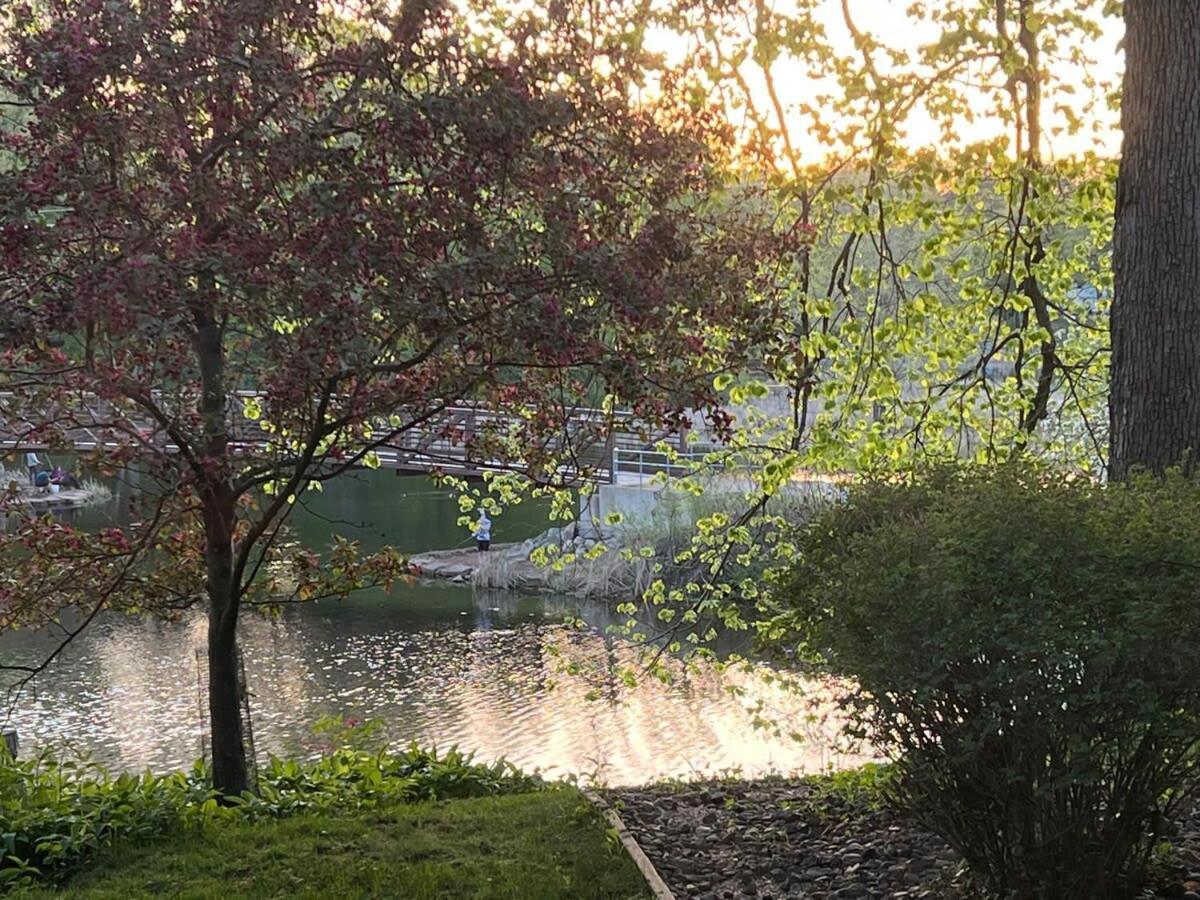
(888, 21)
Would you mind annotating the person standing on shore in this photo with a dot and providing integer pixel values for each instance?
(483, 535)
(32, 463)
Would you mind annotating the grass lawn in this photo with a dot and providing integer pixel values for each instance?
(543, 845)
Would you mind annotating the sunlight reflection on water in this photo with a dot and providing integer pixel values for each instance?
(440, 667)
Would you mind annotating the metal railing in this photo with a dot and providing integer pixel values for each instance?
(444, 439)
(645, 464)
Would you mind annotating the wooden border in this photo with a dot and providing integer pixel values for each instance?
(657, 886)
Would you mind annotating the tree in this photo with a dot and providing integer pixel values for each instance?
(950, 291)
(363, 212)
(950, 298)
(1154, 407)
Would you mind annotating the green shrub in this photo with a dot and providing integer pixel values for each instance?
(358, 779)
(867, 785)
(55, 814)
(1025, 646)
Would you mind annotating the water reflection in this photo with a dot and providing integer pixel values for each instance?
(437, 665)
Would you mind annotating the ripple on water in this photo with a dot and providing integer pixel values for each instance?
(128, 693)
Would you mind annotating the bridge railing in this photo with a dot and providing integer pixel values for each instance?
(640, 464)
(444, 441)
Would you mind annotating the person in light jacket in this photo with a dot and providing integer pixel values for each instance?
(483, 535)
(32, 463)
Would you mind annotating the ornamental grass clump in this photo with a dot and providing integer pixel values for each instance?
(1026, 646)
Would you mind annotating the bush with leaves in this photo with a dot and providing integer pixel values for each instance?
(358, 779)
(55, 814)
(1024, 644)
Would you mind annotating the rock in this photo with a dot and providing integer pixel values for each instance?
(773, 838)
(852, 892)
(518, 552)
(546, 538)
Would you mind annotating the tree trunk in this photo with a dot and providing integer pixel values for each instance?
(229, 768)
(230, 772)
(1154, 405)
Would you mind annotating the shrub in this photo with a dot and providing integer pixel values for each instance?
(867, 785)
(1024, 645)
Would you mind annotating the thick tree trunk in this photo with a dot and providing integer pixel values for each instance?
(1154, 406)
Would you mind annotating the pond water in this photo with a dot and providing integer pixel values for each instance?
(439, 664)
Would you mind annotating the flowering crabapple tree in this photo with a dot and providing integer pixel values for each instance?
(362, 213)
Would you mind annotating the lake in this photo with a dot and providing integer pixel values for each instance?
(438, 664)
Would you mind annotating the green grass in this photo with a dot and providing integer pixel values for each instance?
(550, 844)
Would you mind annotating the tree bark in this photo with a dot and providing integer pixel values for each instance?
(1154, 404)
(229, 768)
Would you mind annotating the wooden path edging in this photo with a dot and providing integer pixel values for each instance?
(657, 886)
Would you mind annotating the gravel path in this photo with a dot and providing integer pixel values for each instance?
(789, 839)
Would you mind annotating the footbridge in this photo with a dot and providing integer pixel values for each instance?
(593, 444)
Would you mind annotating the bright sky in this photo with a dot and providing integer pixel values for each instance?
(888, 22)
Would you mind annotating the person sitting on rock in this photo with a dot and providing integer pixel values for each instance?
(64, 479)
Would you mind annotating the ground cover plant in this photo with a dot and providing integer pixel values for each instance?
(56, 815)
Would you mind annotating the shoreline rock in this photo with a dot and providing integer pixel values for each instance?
(75, 498)
(508, 566)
